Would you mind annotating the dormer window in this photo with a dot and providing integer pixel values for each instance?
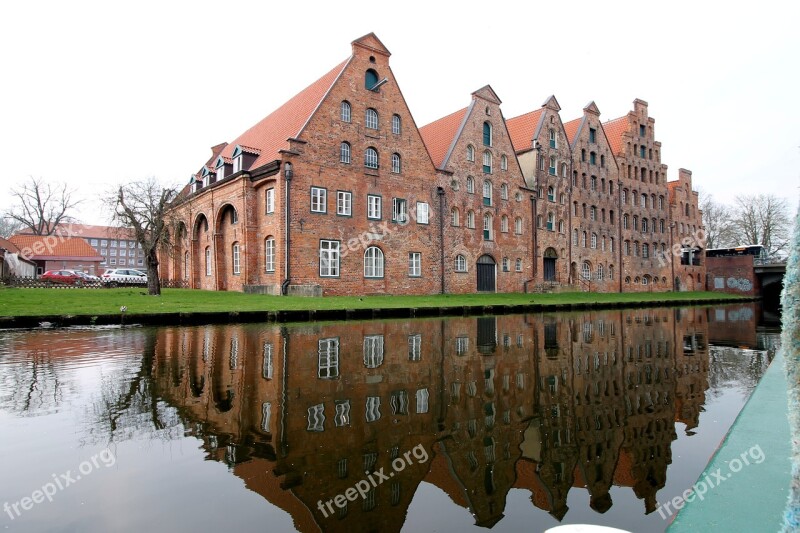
(220, 169)
(237, 164)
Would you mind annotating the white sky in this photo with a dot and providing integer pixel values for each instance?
(95, 93)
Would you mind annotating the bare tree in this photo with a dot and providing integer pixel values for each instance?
(8, 227)
(762, 219)
(42, 206)
(142, 206)
(717, 222)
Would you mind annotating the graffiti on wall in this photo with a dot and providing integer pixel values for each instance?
(741, 284)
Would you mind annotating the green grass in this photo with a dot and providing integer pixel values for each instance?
(42, 302)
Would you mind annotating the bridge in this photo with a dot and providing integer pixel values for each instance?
(770, 274)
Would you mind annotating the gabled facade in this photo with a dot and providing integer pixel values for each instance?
(687, 229)
(542, 147)
(487, 229)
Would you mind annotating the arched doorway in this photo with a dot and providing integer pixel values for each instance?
(486, 268)
(549, 270)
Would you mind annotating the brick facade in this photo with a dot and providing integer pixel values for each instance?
(339, 192)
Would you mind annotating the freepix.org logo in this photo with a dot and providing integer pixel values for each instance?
(363, 487)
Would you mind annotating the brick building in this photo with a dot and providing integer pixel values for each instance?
(339, 192)
(56, 252)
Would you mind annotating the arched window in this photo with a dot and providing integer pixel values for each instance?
(396, 163)
(561, 226)
(503, 162)
(627, 247)
(593, 183)
(635, 223)
(610, 271)
(687, 209)
(487, 134)
(487, 162)
(611, 244)
(552, 168)
(371, 119)
(553, 142)
(551, 222)
(600, 273)
(471, 219)
(504, 224)
(487, 227)
(594, 241)
(551, 194)
(208, 260)
(470, 184)
(454, 217)
(646, 279)
(504, 191)
(624, 196)
(574, 237)
(562, 198)
(563, 170)
(593, 213)
(373, 262)
(505, 264)
(583, 239)
(587, 271)
(644, 200)
(518, 265)
(371, 158)
(487, 192)
(344, 112)
(470, 153)
(344, 152)
(370, 79)
(636, 248)
(661, 202)
(625, 221)
(645, 250)
(661, 225)
(645, 224)
(396, 123)
(236, 261)
(627, 279)
(518, 226)
(269, 254)
(461, 263)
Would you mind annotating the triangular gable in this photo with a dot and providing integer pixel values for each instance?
(239, 150)
(371, 42)
(592, 108)
(487, 93)
(552, 103)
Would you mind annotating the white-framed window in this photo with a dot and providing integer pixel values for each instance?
(551, 222)
(594, 241)
(371, 158)
(455, 218)
(373, 206)
(270, 200)
(345, 111)
(344, 203)
(266, 367)
(236, 259)
(462, 345)
(461, 263)
(94, 242)
(342, 416)
(208, 260)
(373, 262)
(266, 416)
(113, 244)
(399, 402)
(103, 242)
(644, 200)
(186, 266)
(505, 264)
(593, 213)
(316, 418)
(237, 163)
(319, 200)
(399, 210)
(487, 162)
(518, 226)
(487, 192)
(396, 123)
(422, 213)
(503, 162)
(415, 347)
(504, 224)
(471, 219)
(396, 163)
(373, 409)
(587, 271)
(329, 258)
(373, 351)
(422, 401)
(518, 265)
(415, 264)
(344, 152)
(123, 244)
(269, 254)
(470, 185)
(122, 262)
(328, 358)
(371, 119)
(487, 227)
(470, 153)
(553, 141)
(504, 191)
(583, 239)
(552, 168)
(123, 253)
(114, 262)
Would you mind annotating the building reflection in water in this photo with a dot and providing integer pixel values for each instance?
(548, 403)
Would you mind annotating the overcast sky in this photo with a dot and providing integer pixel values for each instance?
(96, 93)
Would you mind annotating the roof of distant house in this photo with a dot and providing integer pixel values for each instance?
(438, 135)
(89, 231)
(571, 129)
(614, 130)
(522, 128)
(40, 247)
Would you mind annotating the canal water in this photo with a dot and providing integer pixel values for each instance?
(515, 423)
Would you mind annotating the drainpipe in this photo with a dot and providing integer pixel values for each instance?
(620, 269)
(440, 192)
(288, 173)
(672, 255)
(535, 229)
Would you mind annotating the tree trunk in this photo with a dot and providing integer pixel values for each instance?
(153, 281)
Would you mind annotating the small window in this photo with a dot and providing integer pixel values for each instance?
(471, 219)
(518, 226)
(503, 162)
(396, 124)
(270, 200)
(344, 203)
(454, 217)
(487, 162)
(396, 163)
(642, 130)
(329, 258)
(642, 152)
(551, 222)
(344, 152)
(592, 158)
(552, 168)
(470, 184)
(587, 271)
(461, 263)
(553, 143)
(470, 153)
(415, 264)
(399, 210)
(603, 161)
(504, 224)
(594, 241)
(371, 80)
(487, 227)
(234, 217)
(269, 254)
(518, 265)
(373, 262)
(504, 191)
(487, 192)
(319, 200)
(345, 111)
(371, 119)
(208, 261)
(422, 213)
(592, 135)
(236, 259)
(505, 264)
(371, 158)
(373, 207)
(487, 134)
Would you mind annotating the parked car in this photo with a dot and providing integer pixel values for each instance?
(64, 277)
(123, 276)
(88, 278)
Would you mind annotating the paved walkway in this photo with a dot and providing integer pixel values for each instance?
(752, 496)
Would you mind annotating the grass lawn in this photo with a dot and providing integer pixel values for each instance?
(43, 302)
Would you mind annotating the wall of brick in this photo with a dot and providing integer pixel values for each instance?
(733, 275)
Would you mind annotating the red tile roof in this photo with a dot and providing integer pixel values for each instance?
(54, 247)
(614, 130)
(8, 246)
(571, 129)
(522, 128)
(88, 231)
(269, 136)
(439, 135)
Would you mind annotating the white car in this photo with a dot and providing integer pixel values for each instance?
(123, 276)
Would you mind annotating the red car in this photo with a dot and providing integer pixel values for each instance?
(66, 277)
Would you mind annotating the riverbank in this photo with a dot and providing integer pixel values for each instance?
(23, 308)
